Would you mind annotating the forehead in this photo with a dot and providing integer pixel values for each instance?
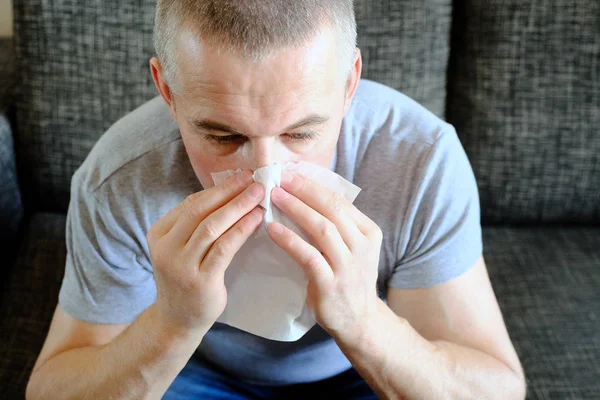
(286, 80)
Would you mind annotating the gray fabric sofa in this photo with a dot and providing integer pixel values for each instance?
(519, 79)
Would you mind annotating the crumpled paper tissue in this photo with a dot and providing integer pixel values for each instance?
(266, 288)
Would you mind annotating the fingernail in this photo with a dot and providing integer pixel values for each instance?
(286, 177)
(279, 193)
(258, 214)
(245, 177)
(276, 228)
(255, 191)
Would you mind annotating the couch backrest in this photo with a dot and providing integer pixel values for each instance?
(524, 95)
(82, 65)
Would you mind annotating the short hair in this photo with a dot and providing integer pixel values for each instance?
(253, 28)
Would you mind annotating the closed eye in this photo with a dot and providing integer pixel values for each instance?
(229, 139)
(302, 136)
(226, 139)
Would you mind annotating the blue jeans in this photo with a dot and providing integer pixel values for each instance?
(199, 380)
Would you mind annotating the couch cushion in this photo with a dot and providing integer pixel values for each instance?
(84, 65)
(524, 95)
(29, 297)
(405, 45)
(547, 282)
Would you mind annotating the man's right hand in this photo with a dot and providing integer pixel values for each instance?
(192, 246)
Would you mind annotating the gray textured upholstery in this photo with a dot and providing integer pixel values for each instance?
(547, 280)
(7, 74)
(83, 65)
(405, 44)
(29, 297)
(524, 95)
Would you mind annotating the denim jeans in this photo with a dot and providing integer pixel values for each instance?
(199, 380)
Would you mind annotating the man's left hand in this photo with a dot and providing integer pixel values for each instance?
(342, 269)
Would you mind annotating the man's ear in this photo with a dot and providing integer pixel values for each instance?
(353, 80)
(162, 85)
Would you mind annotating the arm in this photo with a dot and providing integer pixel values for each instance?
(89, 361)
(190, 249)
(447, 341)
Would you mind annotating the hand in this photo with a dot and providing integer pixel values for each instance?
(192, 246)
(342, 273)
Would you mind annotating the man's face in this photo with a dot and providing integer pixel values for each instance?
(234, 113)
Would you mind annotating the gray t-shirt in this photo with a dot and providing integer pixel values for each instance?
(417, 185)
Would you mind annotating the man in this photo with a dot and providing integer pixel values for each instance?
(245, 85)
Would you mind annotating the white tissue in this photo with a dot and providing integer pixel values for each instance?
(266, 289)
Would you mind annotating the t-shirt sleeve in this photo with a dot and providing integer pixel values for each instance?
(107, 280)
(442, 219)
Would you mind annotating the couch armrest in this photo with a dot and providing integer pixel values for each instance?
(7, 74)
(11, 210)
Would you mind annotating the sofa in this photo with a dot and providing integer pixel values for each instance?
(519, 79)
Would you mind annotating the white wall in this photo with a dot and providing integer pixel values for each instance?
(6, 25)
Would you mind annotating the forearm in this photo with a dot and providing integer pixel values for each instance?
(140, 363)
(398, 363)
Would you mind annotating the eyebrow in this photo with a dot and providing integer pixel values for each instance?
(210, 125)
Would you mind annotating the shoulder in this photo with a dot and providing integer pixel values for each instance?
(382, 110)
(386, 134)
(137, 171)
(417, 182)
(395, 149)
(137, 138)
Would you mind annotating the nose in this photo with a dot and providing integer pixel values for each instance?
(267, 151)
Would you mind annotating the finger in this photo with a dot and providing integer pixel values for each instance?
(196, 207)
(223, 250)
(323, 231)
(217, 223)
(312, 262)
(349, 220)
(165, 224)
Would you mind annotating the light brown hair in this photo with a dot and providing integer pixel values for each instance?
(253, 28)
